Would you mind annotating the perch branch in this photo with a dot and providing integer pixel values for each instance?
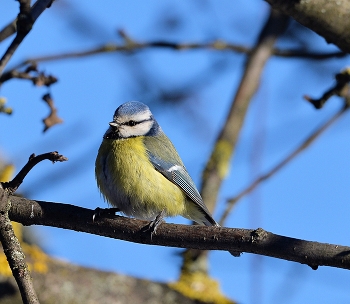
(314, 254)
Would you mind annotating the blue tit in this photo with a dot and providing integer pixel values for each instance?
(139, 171)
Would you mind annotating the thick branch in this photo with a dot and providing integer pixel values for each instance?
(29, 212)
(328, 18)
(218, 164)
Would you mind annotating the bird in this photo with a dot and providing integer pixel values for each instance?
(140, 173)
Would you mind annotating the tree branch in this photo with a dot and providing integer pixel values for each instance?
(31, 73)
(328, 18)
(341, 88)
(13, 185)
(30, 212)
(9, 241)
(14, 253)
(217, 166)
(306, 143)
(218, 45)
(24, 24)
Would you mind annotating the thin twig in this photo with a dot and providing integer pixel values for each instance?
(306, 143)
(218, 45)
(314, 254)
(25, 21)
(131, 45)
(342, 80)
(13, 185)
(31, 73)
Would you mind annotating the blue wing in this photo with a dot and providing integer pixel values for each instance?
(178, 175)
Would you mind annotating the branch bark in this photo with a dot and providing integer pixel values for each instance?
(14, 253)
(328, 18)
(314, 254)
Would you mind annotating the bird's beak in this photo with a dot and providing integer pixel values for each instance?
(113, 124)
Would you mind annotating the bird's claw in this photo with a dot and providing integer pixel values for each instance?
(153, 225)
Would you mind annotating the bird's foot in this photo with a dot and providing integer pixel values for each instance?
(107, 212)
(153, 225)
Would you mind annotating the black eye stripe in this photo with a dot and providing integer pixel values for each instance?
(133, 123)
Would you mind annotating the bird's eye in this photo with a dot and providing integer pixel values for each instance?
(131, 123)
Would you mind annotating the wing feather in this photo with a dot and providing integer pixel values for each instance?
(178, 175)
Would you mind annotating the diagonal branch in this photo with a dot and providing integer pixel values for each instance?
(341, 88)
(217, 166)
(24, 24)
(314, 254)
(306, 143)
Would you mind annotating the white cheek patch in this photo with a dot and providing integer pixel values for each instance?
(137, 130)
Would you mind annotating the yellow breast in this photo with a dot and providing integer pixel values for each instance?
(129, 181)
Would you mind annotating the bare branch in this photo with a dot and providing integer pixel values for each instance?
(217, 166)
(306, 143)
(218, 45)
(14, 253)
(25, 21)
(8, 30)
(30, 212)
(13, 185)
(132, 45)
(30, 73)
(341, 88)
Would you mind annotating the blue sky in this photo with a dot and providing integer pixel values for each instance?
(307, 199)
